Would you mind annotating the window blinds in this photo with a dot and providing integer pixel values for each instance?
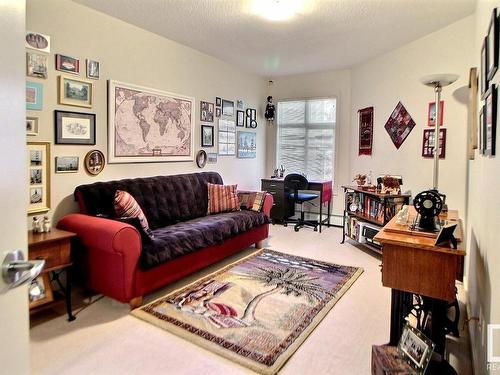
(306, 137)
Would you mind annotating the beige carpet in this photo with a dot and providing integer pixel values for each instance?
(105, 339)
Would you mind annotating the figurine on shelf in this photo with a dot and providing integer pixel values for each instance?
(35, 226)
(46, 224)
(360, 179)
(402, 215)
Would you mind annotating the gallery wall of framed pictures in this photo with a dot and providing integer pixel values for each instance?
(487, 129)
(68, 105)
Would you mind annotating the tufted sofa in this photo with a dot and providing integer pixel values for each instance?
(123, 262)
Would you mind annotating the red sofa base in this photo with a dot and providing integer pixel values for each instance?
(147, 281)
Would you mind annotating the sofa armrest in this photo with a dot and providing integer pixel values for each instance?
(268, 204)
(113, 253)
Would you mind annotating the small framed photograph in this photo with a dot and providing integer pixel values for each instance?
(40, 291)
(67, 64)
(94, 162)
(93, 69)
(206, 111)
(212, 158)
(490, 121)
(428, 143)
(218, 101)
(482, 129)
(240, 118)
(38, 177)
(207, 136)
(240, 104)
(415, 348)
(217, 112)
(227, 107)
(31, 125)
(74, 128)
(37, 41)
(36, 65)
(431, 114)
(67, 164)
(247, 145)
(492, 38)
(34, 96)
(75, 92)
(483, 75)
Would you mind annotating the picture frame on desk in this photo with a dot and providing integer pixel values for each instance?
(415, 348)
(40, 291)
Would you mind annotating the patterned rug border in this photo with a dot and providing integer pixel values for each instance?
(249, 363)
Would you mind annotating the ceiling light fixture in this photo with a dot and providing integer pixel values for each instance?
(277, 10)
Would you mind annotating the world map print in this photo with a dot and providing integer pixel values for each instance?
(149, 125)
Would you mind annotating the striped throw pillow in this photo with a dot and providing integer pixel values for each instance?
(127, 206)
(222, 198)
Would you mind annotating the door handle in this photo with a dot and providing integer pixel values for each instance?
(16, 271)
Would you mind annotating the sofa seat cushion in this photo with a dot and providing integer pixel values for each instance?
(186, 237)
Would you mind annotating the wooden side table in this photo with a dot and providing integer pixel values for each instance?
(54, 247)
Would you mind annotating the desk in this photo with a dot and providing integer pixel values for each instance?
(412, 265)
(283, 208)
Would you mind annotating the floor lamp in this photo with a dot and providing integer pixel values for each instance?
(437, 81)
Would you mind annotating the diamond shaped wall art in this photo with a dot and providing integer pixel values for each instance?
(399, 125)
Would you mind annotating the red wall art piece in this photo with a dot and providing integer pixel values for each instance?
(365, 131)
(399, 125)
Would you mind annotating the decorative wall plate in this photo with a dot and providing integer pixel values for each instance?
(94, 162)
(201, 158)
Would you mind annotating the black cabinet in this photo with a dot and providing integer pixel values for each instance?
(282, 207)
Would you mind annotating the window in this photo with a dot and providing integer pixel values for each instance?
(306, 137)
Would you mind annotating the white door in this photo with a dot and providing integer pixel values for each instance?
(14, 318)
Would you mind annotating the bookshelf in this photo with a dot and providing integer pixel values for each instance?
(366, 212)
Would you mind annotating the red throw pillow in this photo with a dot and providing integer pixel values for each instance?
(222, 198)
(127, 206)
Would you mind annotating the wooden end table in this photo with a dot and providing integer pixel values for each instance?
(54, 247)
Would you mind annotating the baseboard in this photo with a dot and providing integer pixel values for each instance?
(469, 328)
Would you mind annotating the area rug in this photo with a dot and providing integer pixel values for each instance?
(256, 311)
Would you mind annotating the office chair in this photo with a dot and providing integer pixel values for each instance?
(293, 183)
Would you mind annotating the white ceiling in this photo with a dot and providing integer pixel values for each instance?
(330, 34)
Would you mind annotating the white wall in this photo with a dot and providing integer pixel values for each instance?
(483, 282)
(14, 313)
(328, 84)
(393, 77)
(133, 55)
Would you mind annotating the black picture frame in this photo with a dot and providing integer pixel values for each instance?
(492, 45)
(481, 129)
(218, 101)
(484, 73)
(63, 129)
(205, 142)
(240, 118)
(445, 235)
(227, 107)
(490, 119)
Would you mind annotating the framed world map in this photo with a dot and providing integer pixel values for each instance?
(149, 125)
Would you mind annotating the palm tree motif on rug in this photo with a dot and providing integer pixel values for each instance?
(287, 281)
